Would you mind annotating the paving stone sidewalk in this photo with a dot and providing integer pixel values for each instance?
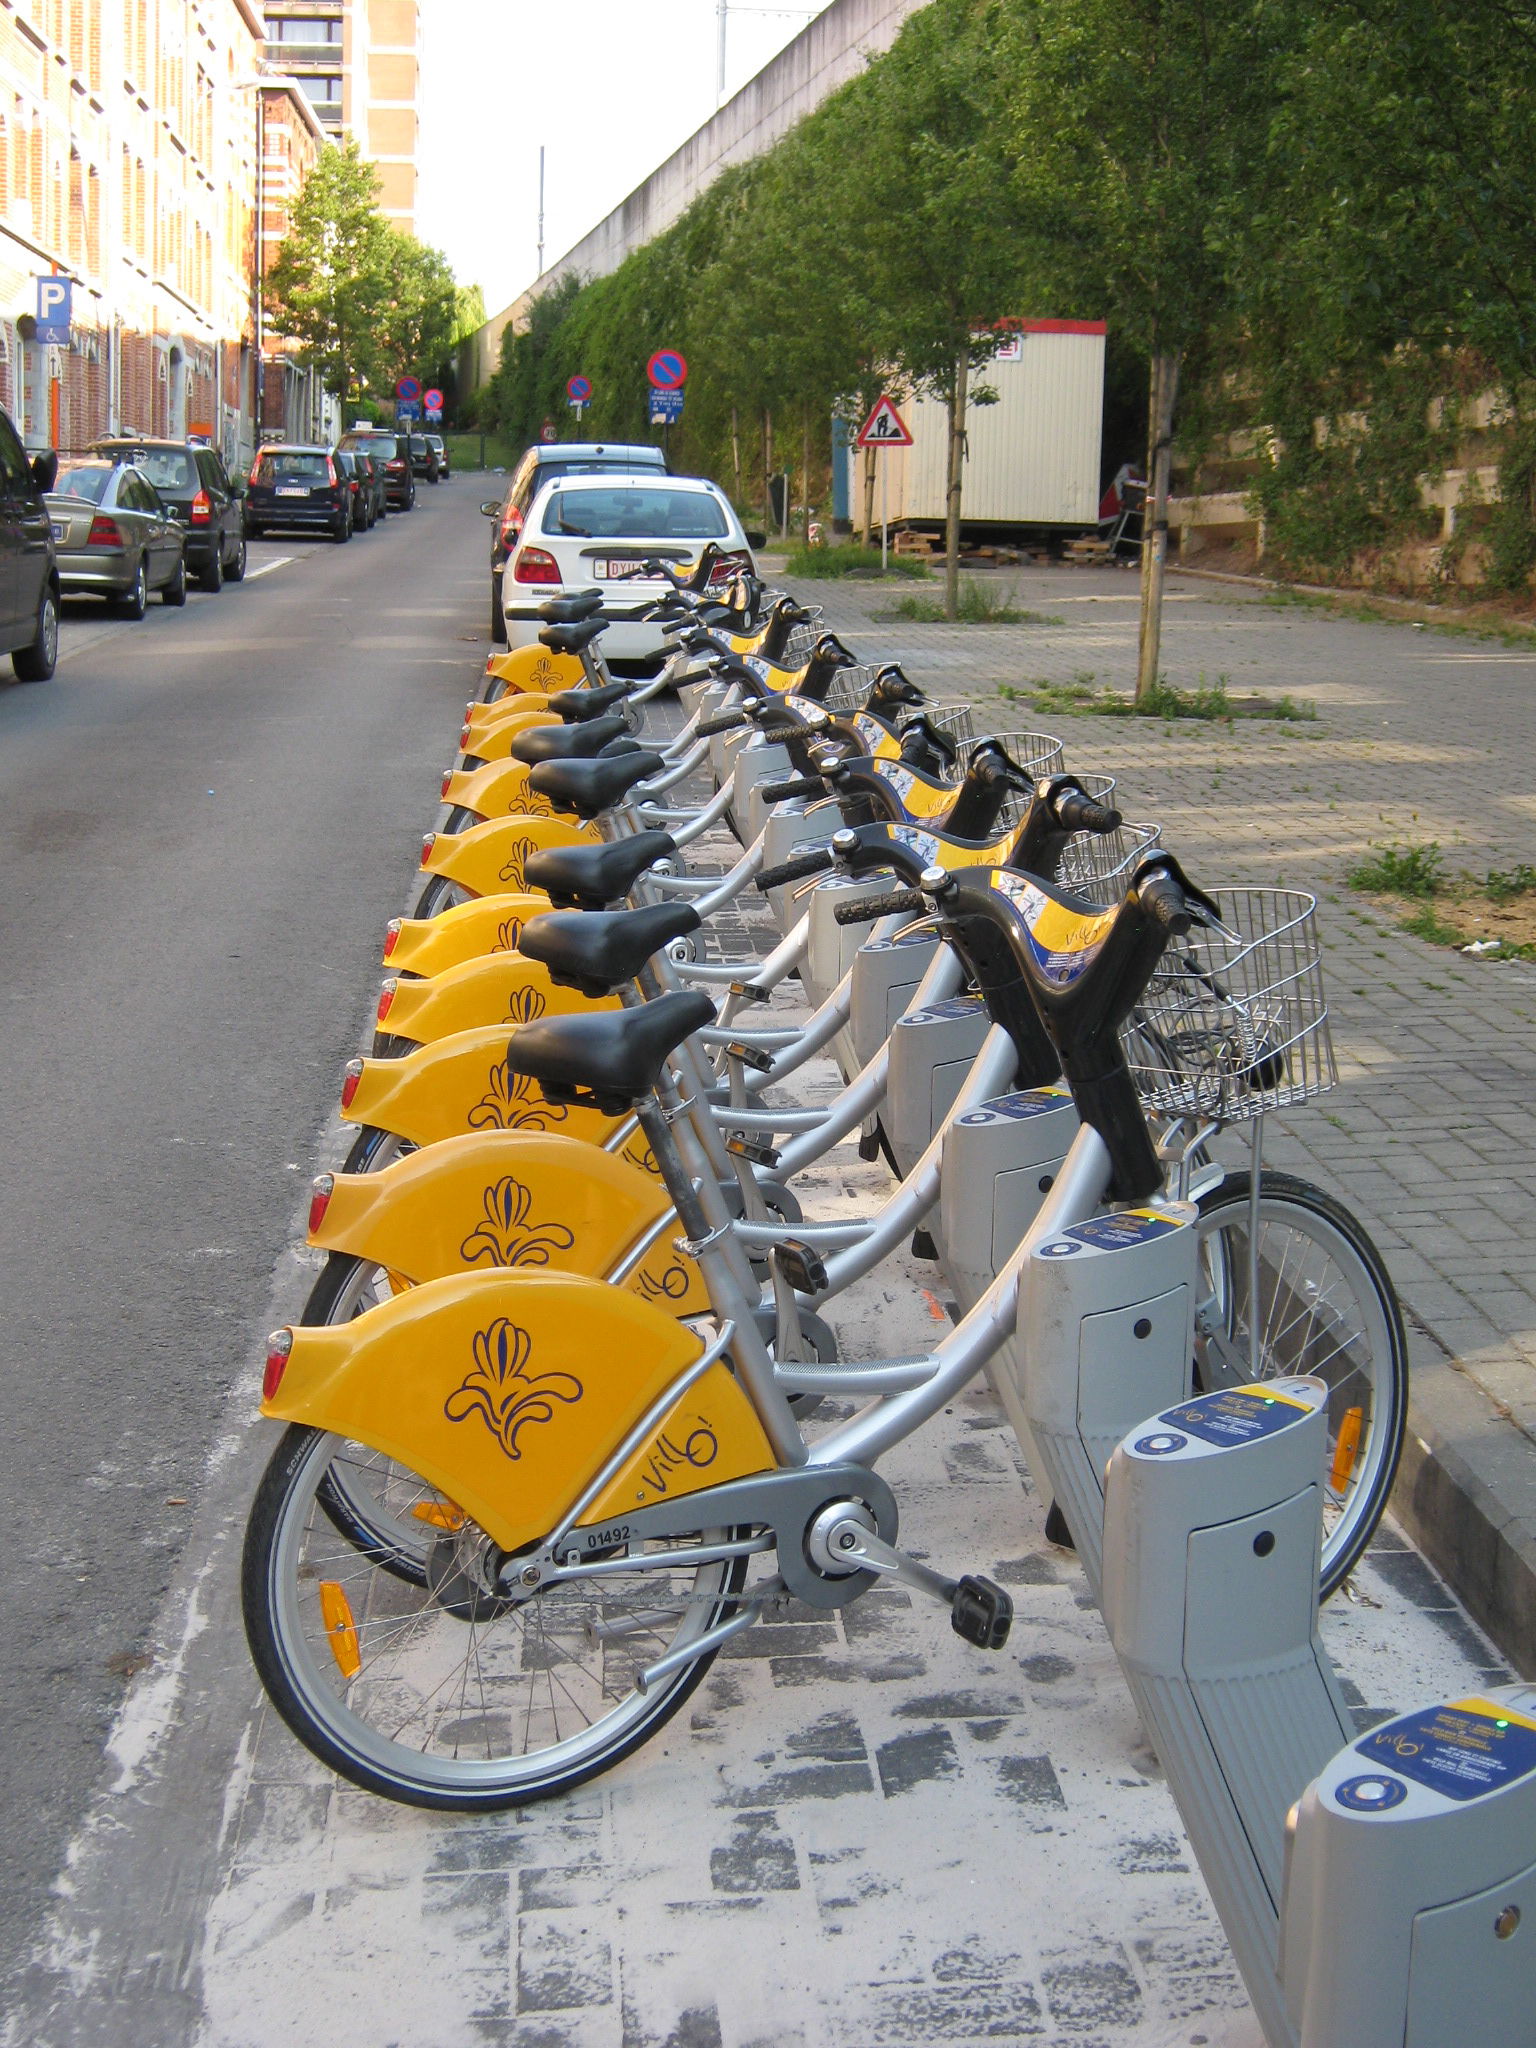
(1431, 1137)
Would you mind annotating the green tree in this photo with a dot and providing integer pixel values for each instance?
(329, 282)
(419, 308)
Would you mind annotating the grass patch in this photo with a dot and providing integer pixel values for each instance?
(820, 565)
(1211, 702)
(480, 451)
(1369, 611)
(1506, 886)
(979, 604)
(1399, 870)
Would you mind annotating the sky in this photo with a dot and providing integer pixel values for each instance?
(610, 88)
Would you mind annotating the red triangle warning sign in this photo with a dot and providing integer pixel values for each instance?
(885, 428)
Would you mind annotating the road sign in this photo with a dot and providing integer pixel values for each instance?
(666, 406)
(54, 296)
(432, 400)
(885, 428)
(407, 411)
(578, 389)
(667, 370)
(434, 415)
(408, 388)
(547, 431)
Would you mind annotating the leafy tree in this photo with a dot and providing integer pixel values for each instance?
(327, 285)
(419, 309)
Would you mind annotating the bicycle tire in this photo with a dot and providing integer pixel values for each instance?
(404, 1638)
(374, 1147)
(1346, 1329)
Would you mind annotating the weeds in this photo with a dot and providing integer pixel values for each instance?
(980, 604)
(822, 564)
(1212, 702)
(1400, 871)
(1504, 885)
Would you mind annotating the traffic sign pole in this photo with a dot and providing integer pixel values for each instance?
(885, 428)
(885, 525)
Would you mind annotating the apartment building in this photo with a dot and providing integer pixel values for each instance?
(358, 63)
(130, 137)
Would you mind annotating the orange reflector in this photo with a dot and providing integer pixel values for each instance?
(391, 936)
(441, 1514)
(426, 847)
(340, 1629)
(386, 998)
(447, 780)
(1346, 1450)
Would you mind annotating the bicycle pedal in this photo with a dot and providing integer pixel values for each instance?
(1056, 1530)
(981, 1612)
(749, 992)
(749, 1055)
(800, 1266)
(869, 1145)
(750, 1150)
(923, 1246)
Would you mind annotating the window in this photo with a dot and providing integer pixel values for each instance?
(633, 512)
(136, 494)
(283, 466)
(83, 480)
(305, 28)
(15, 471)
(168, 469)
(322, 92)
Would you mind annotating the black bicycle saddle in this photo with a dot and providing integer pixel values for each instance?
(565, 742)
(608, 1058)
(588, 787)
(577, 706)
(571, 639)
(569, 610)
(592, 877)
(597, 951)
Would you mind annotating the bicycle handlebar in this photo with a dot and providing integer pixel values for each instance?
(899, 903)
(725, 721)
(1162, 895)
(783, 792)
(1079, 813)
(797, 870)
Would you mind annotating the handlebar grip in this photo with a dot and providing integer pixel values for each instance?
(782, 792)
(1162, 896)
(1082, 814)
(796, 870)
(783, 731)
(900, 903)
(726, 721)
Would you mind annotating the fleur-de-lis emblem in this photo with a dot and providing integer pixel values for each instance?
(506, 1237)
(502, 1393)
(512, 1102)
(544, 671)
(511, 871)
(508, 932)
(524, 1004)
(670, 1285)
(528, 802)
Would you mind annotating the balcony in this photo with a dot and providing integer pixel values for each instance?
(301, 57)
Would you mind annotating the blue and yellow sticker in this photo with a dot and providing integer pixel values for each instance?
(1240, 1415)
(1462, 1750)
(1064, 942)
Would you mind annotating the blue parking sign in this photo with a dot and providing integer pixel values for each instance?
(54, 307)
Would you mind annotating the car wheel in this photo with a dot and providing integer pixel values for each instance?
(340, 531)
(174, 593)
(134, 602)
(234, 571)
(498, 617)
(212, 578)
(36, 663)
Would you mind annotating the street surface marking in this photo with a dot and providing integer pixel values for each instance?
(276, 562)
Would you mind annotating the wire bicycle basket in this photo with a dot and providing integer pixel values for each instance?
(1098, 864)
(1235, 1022)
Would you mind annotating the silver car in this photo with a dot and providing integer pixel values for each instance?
(113, 536)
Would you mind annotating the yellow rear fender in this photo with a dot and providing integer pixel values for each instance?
(490, 729)
(469, 931)
(498, 790)
(503, 989)
(508, 1392)
(463, 1083)
(487, 860)
(535, 670)
(495, 1198)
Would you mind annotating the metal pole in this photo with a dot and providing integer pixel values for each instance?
(258, 401)
(541, 209)
(722, 11)
(884, 523)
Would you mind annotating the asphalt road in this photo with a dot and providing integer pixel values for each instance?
(205, 821)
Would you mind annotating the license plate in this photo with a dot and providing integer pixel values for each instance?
(58, 531)
(293, 490)
(615, 570)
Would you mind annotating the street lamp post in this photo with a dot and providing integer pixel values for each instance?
(257, 83)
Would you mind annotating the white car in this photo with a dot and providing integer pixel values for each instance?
(599, 531)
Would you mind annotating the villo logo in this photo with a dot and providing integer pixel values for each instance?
(500, 1390)
(672, 1453)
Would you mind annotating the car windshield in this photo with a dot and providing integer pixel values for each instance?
(382, 446)
(289, 466)
(168, 469)
(83, 480)
(635, 512)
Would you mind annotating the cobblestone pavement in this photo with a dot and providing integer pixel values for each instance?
(1431, 1137)
(861, 1833)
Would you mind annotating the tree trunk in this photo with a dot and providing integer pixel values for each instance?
(869, 497)
(958, 393)
(736, 455)
(767, 470)
(1163, 392)
(805, 472)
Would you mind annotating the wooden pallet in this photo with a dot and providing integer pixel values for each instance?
(920, 546)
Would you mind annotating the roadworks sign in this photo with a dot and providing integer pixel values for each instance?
(885, 428)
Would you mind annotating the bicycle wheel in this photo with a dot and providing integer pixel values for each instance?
(1325, 1306)
(453, 1693)
(374, 1147)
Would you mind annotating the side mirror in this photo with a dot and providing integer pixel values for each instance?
(490, 510)
(45, 469)
(756, 540)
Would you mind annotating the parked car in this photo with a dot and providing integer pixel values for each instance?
(424, 458)
(114, 537)
(393, 451)
(372, 471)
(349, 464)
(301, 487)
(535, 467)
(29, 576)
(439, 448)
(602, 529)
(194, 486)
